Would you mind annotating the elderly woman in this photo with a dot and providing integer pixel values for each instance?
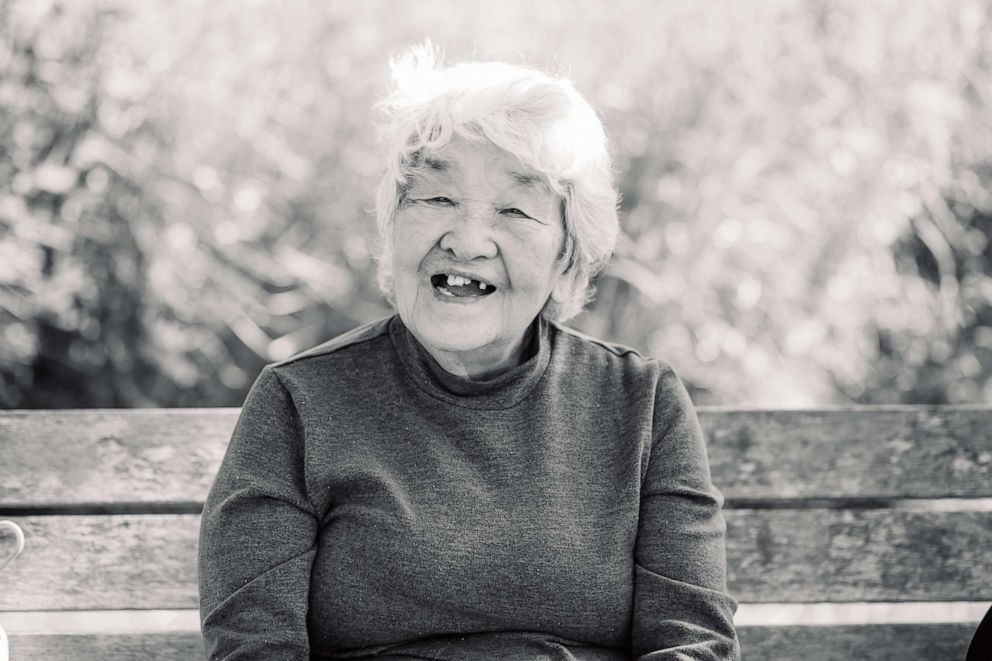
(469, 479)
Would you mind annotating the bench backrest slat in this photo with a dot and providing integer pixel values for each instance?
(865, 452)
(77, 458)
(772, 556)
(171, 646)
(892, 642)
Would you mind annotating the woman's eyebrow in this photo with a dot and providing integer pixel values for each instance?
(429, 169)
(523, 178)
(530, 180)
(436, 164)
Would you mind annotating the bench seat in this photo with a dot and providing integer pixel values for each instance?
(853, 533)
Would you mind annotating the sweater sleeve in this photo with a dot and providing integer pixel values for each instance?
(258, 536)
(682, 611)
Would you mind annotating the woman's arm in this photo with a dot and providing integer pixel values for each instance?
(682, 611)
(258, 536)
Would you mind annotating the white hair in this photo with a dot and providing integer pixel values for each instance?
(541, 120)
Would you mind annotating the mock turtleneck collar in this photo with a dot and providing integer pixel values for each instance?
(501, 392)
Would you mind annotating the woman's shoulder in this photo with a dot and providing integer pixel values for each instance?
(358, 338)
(341, 364)
(586, 349)
(616, 374)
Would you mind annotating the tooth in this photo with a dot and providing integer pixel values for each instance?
(452, 280)
(482, 285)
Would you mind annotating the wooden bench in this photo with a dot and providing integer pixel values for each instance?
(852, 533)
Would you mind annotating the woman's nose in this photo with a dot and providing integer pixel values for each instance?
(470, 236)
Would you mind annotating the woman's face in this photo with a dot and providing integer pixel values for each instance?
(475, 246)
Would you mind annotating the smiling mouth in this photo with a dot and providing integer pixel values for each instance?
(458, 286)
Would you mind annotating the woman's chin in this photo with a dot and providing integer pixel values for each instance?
(458, 326)
(471, 347)
(464, 339)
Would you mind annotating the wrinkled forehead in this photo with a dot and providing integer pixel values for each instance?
(445, 165)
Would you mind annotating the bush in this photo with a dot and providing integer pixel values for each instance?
(184, 189)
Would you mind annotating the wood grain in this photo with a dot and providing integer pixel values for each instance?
(111, 456)
(888, 642)
(873, 452)
(172, 646)
(97, 562)
(171, 456)
(881, 642)
(860, 555)
(104, 562)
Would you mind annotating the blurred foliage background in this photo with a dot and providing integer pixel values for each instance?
(807, 188)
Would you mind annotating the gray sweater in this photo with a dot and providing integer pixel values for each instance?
(372, 505)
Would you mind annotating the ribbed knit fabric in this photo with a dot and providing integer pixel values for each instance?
(371, 505)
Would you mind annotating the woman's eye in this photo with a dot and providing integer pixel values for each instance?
(513, 211)
(440, 201)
